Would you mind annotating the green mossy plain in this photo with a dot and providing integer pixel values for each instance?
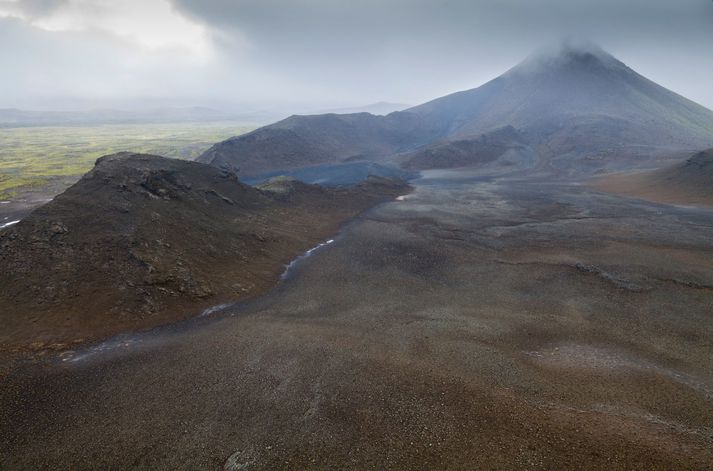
(31, 156)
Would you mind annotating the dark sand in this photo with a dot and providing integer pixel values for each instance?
(489, 325)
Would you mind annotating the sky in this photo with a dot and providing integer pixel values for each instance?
(261, 54)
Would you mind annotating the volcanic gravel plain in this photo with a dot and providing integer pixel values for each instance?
(477, 323)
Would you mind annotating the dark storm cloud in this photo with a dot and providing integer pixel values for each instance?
(331, 52)
(412, 49)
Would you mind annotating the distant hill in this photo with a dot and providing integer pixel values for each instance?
(687, 183)
(142, 240)
(380, 109)
(578, 111)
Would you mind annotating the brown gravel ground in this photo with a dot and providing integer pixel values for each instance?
(475, 325)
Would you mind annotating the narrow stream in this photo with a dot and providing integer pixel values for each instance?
(297, 260)
(135, 340)
(8, 224)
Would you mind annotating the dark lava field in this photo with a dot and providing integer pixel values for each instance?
(477, 323)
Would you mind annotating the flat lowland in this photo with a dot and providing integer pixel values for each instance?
(49, 159)
(474, 324)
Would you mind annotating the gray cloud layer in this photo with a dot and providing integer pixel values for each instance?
(341, 52)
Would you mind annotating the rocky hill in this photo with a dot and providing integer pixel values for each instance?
(141, 240)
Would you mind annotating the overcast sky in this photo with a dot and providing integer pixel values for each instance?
(323, 53)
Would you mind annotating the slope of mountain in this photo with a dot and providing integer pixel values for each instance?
(141, 240)
(303, 141)
(580, 109)
(482, 150)
(690, 182)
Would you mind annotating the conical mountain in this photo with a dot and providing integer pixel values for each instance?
(576, 100)
(577, 109)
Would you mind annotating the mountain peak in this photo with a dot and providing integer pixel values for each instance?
(568, 54)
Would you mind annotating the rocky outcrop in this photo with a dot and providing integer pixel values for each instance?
(142, 240)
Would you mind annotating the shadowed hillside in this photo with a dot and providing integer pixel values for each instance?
(142, 240)
(303, 141)
(505, 145)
